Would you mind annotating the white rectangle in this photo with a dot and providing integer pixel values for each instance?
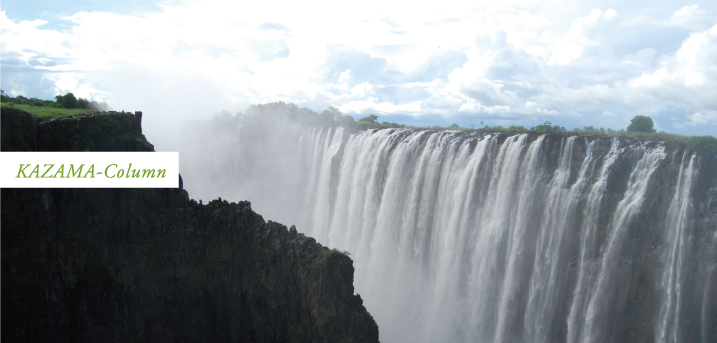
(89, 169)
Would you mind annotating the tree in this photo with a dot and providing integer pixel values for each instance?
(67, 101)
(641, 124)
(83, 103)
(547, 128)
(454, 126)
(517, 128)
(329, 115)
(346, 121)
(371, 119)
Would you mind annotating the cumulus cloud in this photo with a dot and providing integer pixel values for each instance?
(77, 84)
(518, 62)
(689, 79)
(572, 43)
(709, 117)
(490, 94)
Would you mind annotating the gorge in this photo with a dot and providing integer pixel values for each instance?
(472, 236)
(153, 265)
(455, 236)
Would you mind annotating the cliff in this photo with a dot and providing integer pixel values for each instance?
(495, 237)
(98, 265)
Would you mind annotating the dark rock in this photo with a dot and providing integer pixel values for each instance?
(18, 130)
(95, 265)
(105, 131)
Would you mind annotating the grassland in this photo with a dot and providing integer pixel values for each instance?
(45, 112)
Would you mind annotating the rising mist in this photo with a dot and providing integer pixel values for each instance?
(465, 236)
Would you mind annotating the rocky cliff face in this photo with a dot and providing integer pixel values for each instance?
(493, 237)
(97, 265)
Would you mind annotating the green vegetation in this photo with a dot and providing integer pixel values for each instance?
(371, 122)
(702, 145)
(328, 254)
(371, 119)
(278, 111)
(346, 121)
(43, 109)
(335, 252)
(641, 124)
(44, 112)
(548, 129)
(640, 128)
(67, 101)
(544, 129)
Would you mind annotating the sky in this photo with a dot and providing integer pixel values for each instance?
(573, 63)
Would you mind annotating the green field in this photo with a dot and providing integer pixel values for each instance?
(45, 112)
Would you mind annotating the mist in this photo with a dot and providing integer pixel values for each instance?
(456, 236)
(258, 146)
(465, 236)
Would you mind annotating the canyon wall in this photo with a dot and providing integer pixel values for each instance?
(152, 265)
(472, 236)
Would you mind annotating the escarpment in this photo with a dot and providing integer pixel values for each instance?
(152, 265)
(480, 236)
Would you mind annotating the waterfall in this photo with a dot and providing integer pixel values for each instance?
(588, 252)
(607, 286)
(679, 235)
(467, 237)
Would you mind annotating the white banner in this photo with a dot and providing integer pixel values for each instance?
(89, 169)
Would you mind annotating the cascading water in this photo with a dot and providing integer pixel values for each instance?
(463, 237)
(678, 234)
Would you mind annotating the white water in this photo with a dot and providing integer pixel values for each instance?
(459, 238)
(679, 236)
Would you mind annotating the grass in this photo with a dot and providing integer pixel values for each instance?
(45, 112)
(701, 145)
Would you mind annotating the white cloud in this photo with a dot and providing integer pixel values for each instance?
(610, 13)
(362, 90)
(78, 85)
(693, 18)
(490, 94)
(528, 60)
(699, 118)
(345, 76)
(608, 115)
(689, 79)
(644, 57)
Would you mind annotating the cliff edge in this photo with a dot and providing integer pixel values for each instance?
(100, 265)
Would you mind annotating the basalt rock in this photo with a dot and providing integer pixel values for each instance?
(18, 130)
(101, 265)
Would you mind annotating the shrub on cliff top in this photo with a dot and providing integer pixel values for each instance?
(547, 128)
(702, 145)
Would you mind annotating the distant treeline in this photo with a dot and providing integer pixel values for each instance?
(641, 127)
(333, 117)
(61, 101)
(329, 117)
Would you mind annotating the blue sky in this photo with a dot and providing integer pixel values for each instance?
(500, 63)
